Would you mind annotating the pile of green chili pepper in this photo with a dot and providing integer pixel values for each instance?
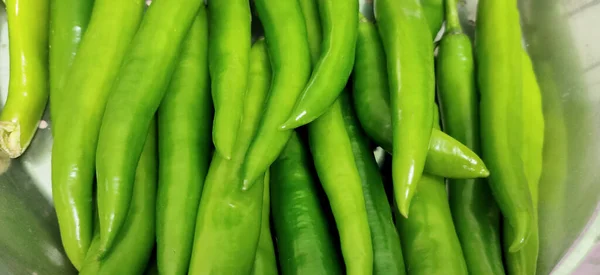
(238, 137)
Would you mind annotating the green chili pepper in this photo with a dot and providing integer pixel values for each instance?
(429, 241)
(498, 41)
(354, 229)
(184, 124)
(229, 219)
(475, 214)
(339, 19)
(525, 260)
(264, 261)
(229, 53)
(445, 157)
(407, 43)
(434, 13)
(285, 32)
(387, 253)
(133, 246)
(28, 83)
(87, 85)
(68, 22)
(305, 245)
(135, 97)
(332, 152)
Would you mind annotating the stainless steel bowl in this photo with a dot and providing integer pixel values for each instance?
(562, 38)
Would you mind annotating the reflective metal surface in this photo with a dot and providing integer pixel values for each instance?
(562, 39)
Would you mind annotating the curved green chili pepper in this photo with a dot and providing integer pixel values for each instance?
(334, 161)
(446, 157)
(407, 43)
(434, 13)
(354, 228)
(264, 261)
(306, 247)
(184, 125)
(68, 22)
(387, 253)
(498, 40)
(476, 216)
(135, 97)
(28, 83)
(285, 32)
(133, 246)
(229, 219)
(525, 260)
(339, 21)
(87, 85)
(429, 241)
(229, 54)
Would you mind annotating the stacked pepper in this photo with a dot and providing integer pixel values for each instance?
(139, 96)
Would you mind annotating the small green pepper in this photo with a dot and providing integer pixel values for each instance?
(306, 247)
(499, 71)
(429, 241)
(184, 128)
(134, 99)
(285, 33)
(339, 19)
(387, 252)
(407, 43)
(87, 86)
(229, 52)
(133, 246)
(331, 148)
(229, 219)
(524, 261)
(476, 215)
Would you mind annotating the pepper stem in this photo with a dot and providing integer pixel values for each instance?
(452, 18)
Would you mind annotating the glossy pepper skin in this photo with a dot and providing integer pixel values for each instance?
(525, 260)
(446, 157)
(265, 262)
(28, 83)
(305, 243)
(434, 13)
(133, 246)
(339, 20)
(331, 148)
(476, 215)
(429, 241)
(499, 71)
(229, 57)
(387, 252)
(133, 101)
(407, 43)
(229, 219)
(68, 22)
(184, 125)
(112, 26)
(285, 33)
